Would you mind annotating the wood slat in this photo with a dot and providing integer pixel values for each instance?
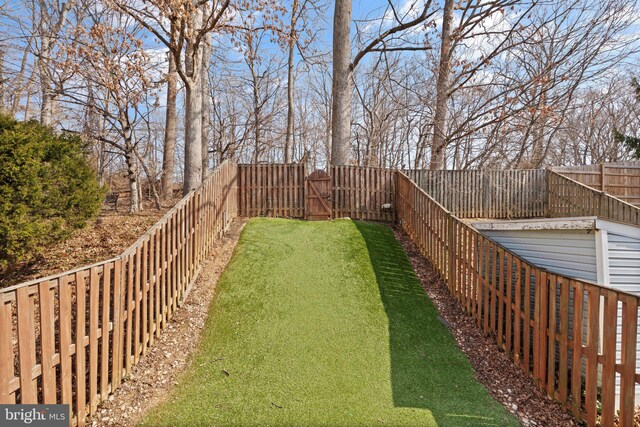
(6, 348)
(26, 346)
(47, 342)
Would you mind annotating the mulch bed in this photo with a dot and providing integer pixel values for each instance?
(157, 372)
(494, 369)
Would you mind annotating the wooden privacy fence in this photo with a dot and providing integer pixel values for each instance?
(485, 193)
(621, 180)
(569, 198)
(72, 337)
(280, 190)
(363, 193)
(271, 190)
(549, 324)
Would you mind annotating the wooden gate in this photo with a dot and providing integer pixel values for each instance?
(319, 203)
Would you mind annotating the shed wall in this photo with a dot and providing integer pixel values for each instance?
(568, 252)
(624, 274)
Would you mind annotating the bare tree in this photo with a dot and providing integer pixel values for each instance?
(171, 124)
(391, 39)
(119, 72)
(442, 89)
(51, 18)
(341, 93)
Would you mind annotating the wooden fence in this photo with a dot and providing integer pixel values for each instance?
(621, 180)
(486, 194)
(71, 338)
(558, 337)
(363, 193)
(276, 190)
(569, 198)
(279, 190)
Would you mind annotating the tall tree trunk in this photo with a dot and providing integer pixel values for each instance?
(18, 82)
(288, 141)
(256, 115)
(341, 114)
(2, 83)
(132, 176)
(327, 142)
(27, 105)
(193, 112)
(439, 146)
(47, 95)
(193, 135)
(206, 105)
(171, 119)
(537, 151)
(256, 135)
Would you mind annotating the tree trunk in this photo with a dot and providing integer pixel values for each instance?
(18, 82)
(193, 136)
(256, 116)
(537, 151)
(168, 156)
(206, 104)
(2, 82)
(46, 107)
(288, 141)
(48, 97)
(439, 146)
(134, 201)
(256, 135)
(341, 114)
(193, 112)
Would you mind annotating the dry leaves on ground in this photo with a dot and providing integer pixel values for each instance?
(103, 238)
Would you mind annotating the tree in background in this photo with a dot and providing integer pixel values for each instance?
(396, 37)
(631, 142)
(47, 189)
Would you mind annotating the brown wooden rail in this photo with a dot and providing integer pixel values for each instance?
(569, 198)
(546, 322)
(72, 337)
(619, 179)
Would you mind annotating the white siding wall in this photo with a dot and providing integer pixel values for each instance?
(568, 252)
(624, 274)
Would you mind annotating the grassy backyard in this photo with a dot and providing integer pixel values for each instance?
(325, 323)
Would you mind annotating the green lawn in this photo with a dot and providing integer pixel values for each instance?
(325, 323)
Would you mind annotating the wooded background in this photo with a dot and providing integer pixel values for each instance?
(166, 90)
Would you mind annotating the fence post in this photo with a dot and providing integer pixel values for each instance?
(451, 249)
(603, 174)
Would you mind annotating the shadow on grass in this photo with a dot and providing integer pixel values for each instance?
(427, 369)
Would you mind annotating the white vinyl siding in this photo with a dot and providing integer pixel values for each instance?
(624, 274)
(568, 252)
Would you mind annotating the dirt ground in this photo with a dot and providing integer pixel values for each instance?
(504, 380)
(103, 238)
(157, 372)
